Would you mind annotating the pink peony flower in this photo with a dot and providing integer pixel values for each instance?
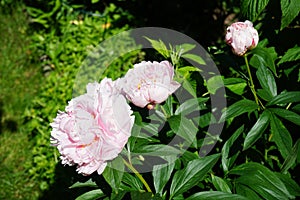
(149, 83)
(94, 129)
(241, 36)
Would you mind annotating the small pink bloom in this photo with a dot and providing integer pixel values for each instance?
(149, 83)
(94, 129)
(241, 36)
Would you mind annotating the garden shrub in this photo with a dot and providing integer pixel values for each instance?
(62, 51)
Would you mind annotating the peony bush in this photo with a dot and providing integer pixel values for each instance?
(162, 131)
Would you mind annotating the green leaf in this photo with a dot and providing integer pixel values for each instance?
(257, 130)
(95, 1)
(161, 175)
(227, 159)
(194, 58)
(264, 56)
(184, 127)
(265, 95)
(183, 48)
(132, 181)
(281, 136)
(290, 10)
(292, 54)
(88, 183)
(285, 97)
(261, 180)
(220, 184)
(190, 87)
(113, 173)
(190, 105)
(157, 150)
(291, 158)
(91, 195)
(286, 114)
(236, 85)
(251, 9)
(141, 195)
(214, 83)
(238, 108)
(193, 173)
(245, 191)
(216, 195)
(291, 185)
(266, 80)
(160, 47)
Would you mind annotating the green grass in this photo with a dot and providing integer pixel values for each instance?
(19, 82)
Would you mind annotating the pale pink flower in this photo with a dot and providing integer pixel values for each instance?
(149, 83)
(94, 129)
(241, 36)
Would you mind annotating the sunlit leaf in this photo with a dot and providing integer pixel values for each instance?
(194, 58)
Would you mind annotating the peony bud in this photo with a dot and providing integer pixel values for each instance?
(241, 36)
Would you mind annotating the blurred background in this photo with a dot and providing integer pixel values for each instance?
(42, 45)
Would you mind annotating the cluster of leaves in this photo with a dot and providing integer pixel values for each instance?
(62, 51)
(256, 156)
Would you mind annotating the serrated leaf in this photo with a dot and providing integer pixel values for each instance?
(220, 184)
(215, 195)
(290, 9)
(113, 173)
(291, 158)
(285, 97)
(292, 54)
(266, 79)
(193, 173)
(261, 180)
(281, 136)
(194, 58)
(227, 159)
(238, 108)
(184, 127)
(89, 183)
(251, 9)
(286, 114)
(91, 195)
(257, 130)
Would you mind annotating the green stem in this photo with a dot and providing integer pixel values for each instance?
(251, 80)
(130, 166)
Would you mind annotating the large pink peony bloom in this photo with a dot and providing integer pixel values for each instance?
(149, 83)
(94, 129)
(241, 36)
